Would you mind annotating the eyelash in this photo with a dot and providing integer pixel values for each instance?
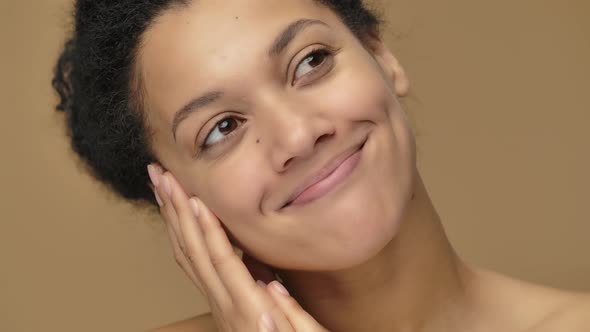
(203, 147)
(323, 50)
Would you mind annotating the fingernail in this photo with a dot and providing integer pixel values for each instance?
(280, 288)
(268, 324)
(194, 206)
(261, 283)
(158, 199)
(166, 185)
(154, 176)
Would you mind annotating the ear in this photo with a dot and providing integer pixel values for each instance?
(388, 62)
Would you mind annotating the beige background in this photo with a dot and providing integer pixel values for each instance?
(502, 112)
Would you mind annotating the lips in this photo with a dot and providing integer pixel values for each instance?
(327, 178)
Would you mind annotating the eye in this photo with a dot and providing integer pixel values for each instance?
(314, 61)
(222, 131)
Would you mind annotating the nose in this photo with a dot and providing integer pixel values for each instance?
(296, 133)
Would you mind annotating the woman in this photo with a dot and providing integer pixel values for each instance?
(276, 127)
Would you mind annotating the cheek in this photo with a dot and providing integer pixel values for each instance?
(358, 95)
(233, 191)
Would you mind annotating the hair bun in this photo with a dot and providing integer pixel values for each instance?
(61, 79)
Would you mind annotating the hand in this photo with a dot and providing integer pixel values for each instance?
(203, 251)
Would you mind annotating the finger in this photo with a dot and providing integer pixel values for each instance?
(273, 314)
(155, 173)
(266, 323)
(229, 266)
(279, 319)
(161, 187)
(195, 249)
(171, 220)
(300, 319)
(182, 260)
(250, 302)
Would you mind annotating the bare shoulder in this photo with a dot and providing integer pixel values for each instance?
(571, 316)
(201, 323)
(532, 307)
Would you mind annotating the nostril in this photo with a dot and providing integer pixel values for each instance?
(323, 138)
(287, 163)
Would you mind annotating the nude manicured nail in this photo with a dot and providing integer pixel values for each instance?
(280, 288)
(268, 325)
(154, 176)
(194, 206)
(261, 283)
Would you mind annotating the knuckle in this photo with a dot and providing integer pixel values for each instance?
(182, 247)
(218, 261)
(192, 257)
(177, 251)
(191, 254)
(178, 256)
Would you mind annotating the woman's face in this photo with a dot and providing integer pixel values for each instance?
(253, 100)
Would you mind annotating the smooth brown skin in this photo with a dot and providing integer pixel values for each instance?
(371, 255)
(205, 253)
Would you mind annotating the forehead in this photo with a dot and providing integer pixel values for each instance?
(232, 20)
(187, 47)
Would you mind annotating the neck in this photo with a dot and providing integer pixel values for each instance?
(415, 283)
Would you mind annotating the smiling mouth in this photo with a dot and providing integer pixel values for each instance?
(328, 181)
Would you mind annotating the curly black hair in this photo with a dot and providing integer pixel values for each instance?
(101, 95)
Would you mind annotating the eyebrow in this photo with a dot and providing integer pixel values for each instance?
(289, 33)
(192, 106)
(277, 47)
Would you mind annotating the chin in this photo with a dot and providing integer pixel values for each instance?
(356, 223)
(366, 226)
